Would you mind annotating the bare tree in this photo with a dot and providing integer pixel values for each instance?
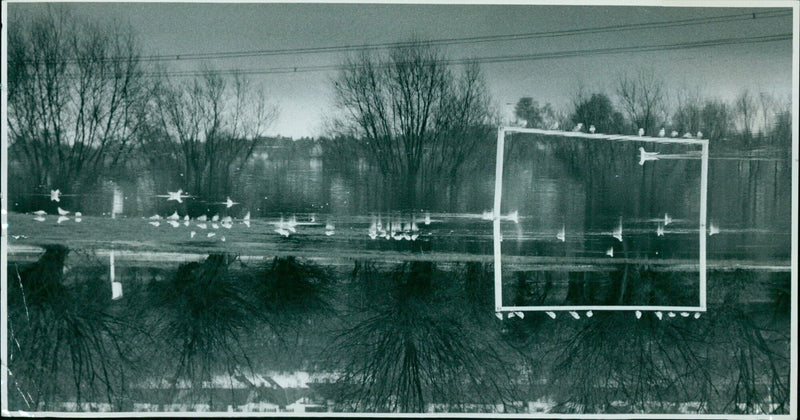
(75, 96)
(746, 110)
(412, 115)
(642, 97)
(210, 124)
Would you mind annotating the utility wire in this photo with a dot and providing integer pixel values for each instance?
(507, 58)
(463, 40)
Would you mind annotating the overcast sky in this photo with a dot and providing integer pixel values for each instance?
(304, 97)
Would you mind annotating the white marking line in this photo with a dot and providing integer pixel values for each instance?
(498, 191)
(498, 295)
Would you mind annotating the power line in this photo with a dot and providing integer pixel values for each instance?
(509, 58)
(463, 40)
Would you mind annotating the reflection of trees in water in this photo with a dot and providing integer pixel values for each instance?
(65, 335)
(752, 345)
(202, 315)
(411, 346)
(646, 363)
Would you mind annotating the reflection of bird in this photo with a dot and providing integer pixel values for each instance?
(712, 229)
(641, 132)
(283, 232)
(644, 156)
(215, 218)
(329, 229)
(667, 219)
(174, 223)
(696, 315)
(62, 212)
(202, 226)
(662, 132)
(40, 213)
(562, 234)
(39, 218)
(487, 215)
(638, 314)
(610, 252)
(617, 232)
(19, 236)
(155, 217)
(246, 219)
(699, 134)
(427, 218)
(173, 216)
(660, 230)
(55, 195)
(684, 314)
(592, 129)
(226, 219)
(659, 315)
(62, 219)
(551, 314)
(578, 127)
(214, 226)
(202, 218)
(671, 314)
(155, 223)
(210, 234)
(589, 314)
(574, 314)
(192, 233)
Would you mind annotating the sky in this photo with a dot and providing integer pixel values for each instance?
(305, 100)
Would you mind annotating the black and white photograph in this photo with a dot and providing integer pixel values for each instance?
(505, 209)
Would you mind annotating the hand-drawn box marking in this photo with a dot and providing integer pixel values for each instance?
(498, 190)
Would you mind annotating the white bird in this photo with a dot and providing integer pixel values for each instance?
(186, 218)
(521, 315)
(62, 219)
(283, 232)
(638, 314)
(155, 217)
(487, 215)
(660, 230)
(202, 226)
(499, 315)
(589, 314)
(592, 129)
(513, 216)
(687, 135)
(202, 218)
(662, 132)
(574, 314)
(414, 236)
(227, 219)
(116, 290)
(427, 219)
(712, 229)
(222, 238)
(562, 234)
(511, 315)
(641, 132)
(246, 216)
(19, 236)
(696, 315)
(610, 252)
(645, 156)
(78, 214)
(617, 232)
(62, 212)
(667, 219)
(684, 314)
(229, 203)
(175, 196)
(186, 222)
(671, 314)
(226, 225)
(174, 223)
(578, 127)
(215, 218)
(699, 134)
(659, 315)
(40, 213)
(55, 195)
(173, 216)
(214, 226)
(551, 314)
(210, 234)
(156, 223)
(192, 233)
(673, 133)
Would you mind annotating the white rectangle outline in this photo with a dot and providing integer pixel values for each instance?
(498, 189)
